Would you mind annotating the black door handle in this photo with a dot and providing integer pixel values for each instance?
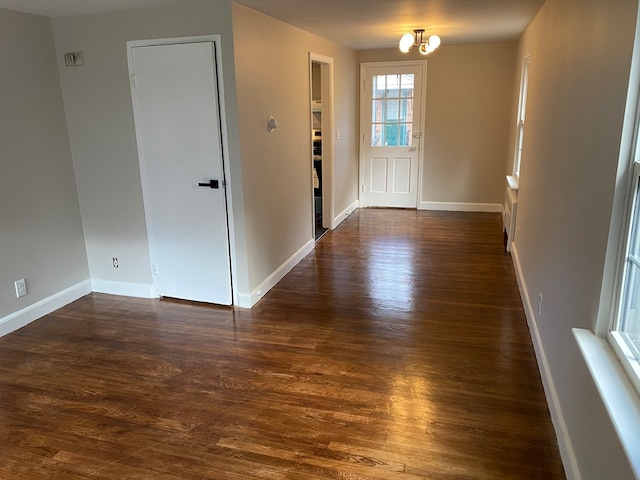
(210, 184)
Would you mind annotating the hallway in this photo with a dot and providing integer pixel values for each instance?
(398, 349)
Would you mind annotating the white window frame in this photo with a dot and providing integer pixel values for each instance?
(522, 112)
(607, 356)
(621, 230)
(628, 355)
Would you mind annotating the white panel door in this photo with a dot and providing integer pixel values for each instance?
(179, 139)
(391, 125)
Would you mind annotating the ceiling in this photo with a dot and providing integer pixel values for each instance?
(359, 24)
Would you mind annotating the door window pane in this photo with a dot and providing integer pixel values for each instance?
(391, 135)
(376, 135)
(406, 110)
(404, 139)
(379, 86)
(391, 114)
(392, 110)
(406, 89)
(377, 110)
(393, 85)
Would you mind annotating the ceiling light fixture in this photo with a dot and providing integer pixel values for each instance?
(425, 47)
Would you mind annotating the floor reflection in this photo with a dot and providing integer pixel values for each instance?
(390, 275)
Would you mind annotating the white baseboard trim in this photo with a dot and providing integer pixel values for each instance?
(243, 300)
(44, 307)
(555, 409)
(344, 214)
(126, 289)
(249, 300)
(461, 207)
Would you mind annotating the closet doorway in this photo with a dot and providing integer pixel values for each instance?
(321, 90)
(174, 86)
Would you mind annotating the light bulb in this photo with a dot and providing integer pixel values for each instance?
(406, 42)
(434, 42)
(424, 49)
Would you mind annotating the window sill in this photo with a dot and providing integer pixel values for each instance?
(618, 394)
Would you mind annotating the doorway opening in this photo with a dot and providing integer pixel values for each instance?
(316, 139)
(321, 75)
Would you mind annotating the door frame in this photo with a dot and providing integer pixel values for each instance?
(364, 111)
(226, 167)
(327, 95)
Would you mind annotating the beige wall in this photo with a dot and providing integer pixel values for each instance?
(41, 236)
(277, 171)
(270, 173)
(575, 108)
(469, 104)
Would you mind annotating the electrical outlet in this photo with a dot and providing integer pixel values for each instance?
(74, 59)
(21, 288)
(114, 261)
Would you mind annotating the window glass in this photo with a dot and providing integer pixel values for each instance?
(379, 86)
(377, 113)
(628, 324)
(392, 113)
(392, 110)
(406, 85)
(376, 135)
(393, 85)
(522, 109)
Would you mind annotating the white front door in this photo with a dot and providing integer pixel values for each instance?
(391, 120)
(176, 108)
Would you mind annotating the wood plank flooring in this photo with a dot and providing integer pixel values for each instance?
(397, 350)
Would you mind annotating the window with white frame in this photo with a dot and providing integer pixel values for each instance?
(625, 330)
(522, 109)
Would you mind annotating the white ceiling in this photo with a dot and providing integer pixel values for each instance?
(360, 24)
(363, 24)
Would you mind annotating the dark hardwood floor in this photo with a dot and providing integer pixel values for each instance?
(398, 349)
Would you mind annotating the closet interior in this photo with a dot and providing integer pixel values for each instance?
(316, 142)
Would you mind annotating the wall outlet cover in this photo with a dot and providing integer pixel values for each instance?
(21, 287)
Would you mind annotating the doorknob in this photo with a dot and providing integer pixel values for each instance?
(413, 149)
(210, 184)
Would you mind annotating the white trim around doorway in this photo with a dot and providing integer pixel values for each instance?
(328, 200)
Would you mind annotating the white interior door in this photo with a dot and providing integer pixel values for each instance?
(391, 120)
(179, 140)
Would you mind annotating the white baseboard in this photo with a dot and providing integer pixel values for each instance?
(564, 440)
(44, 307)
(249, 300)
(243, 300)
(126, 289)
(461, 207)
(344, 214)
